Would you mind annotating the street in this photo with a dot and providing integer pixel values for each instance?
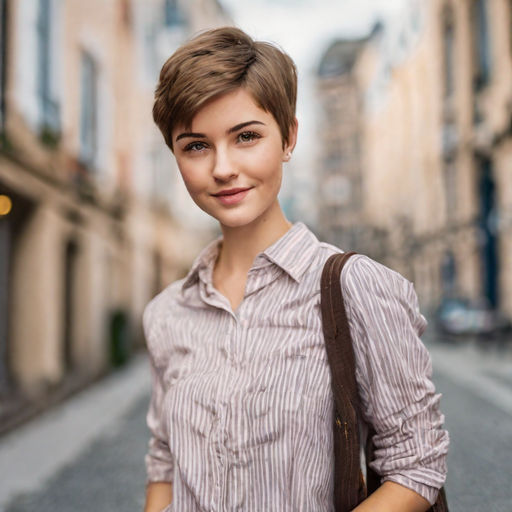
(98, 460)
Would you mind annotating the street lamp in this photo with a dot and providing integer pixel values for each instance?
(5, 205)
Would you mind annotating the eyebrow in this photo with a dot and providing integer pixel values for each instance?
(231, 130)
(243, 125)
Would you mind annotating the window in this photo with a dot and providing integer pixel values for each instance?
(48, 105)
(88, 110)
(448, 50)
(3, 53)
(173, 14)
(481, 44)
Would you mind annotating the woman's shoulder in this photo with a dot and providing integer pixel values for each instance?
(373, 290)
(365, 272)
(363, 279)
(361, 268)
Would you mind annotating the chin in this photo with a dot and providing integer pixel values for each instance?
(234, 223)
(236, 220)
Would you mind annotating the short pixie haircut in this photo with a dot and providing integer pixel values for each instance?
(217, 62)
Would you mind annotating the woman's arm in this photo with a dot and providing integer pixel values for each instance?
(159, 461)
(393, 371)
(392, 497)
(158, 496)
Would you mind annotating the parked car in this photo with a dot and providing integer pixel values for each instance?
(466, 317)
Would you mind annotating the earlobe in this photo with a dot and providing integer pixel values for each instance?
(292, 140)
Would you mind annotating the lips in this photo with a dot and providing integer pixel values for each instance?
(230, 192)
(232, 195)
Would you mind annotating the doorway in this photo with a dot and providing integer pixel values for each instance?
(70, 268)
(488, 224)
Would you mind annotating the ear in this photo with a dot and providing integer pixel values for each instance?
(292, 140)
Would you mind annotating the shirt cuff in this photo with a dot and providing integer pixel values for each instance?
(159, 463)
(428, 492)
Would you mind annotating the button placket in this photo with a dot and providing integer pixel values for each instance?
(222, 406)
(235, 343)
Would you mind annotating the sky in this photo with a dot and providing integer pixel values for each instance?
(305, 29)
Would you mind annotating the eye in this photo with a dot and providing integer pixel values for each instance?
(245, 137)
(195, 147)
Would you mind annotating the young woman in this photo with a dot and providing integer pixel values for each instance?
(241, 408)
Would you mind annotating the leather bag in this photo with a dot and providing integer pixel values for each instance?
(350, 488)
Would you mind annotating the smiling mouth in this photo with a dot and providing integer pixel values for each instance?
(232, 196)
(230, 192)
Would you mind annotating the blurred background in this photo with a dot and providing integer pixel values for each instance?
(404, 153)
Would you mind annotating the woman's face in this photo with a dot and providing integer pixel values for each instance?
(231, 159)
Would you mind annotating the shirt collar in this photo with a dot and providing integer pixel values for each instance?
(292, 253)
(205, 259)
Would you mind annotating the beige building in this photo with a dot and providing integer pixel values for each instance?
(342, 118)
(340, 186)
(435, 88)
(92, 220)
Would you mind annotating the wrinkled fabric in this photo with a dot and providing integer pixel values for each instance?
(241, 407)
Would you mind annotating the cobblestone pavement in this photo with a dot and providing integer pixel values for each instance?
(107, 474)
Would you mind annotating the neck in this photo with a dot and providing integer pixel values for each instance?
(240, 245)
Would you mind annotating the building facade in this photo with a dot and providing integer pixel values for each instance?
(436, 157)
(340, 186)
(89, 230)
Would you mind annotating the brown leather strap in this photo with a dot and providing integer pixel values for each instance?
(349, 489)
(347, 481)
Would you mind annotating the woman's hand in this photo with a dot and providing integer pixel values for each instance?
(393, 497)
(158, 496)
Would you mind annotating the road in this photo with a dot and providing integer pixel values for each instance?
(477, 401)
(89, 457)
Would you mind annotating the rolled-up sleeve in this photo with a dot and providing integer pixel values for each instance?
(159, 461)
(394, 370)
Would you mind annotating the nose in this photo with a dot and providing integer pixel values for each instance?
(224, 169)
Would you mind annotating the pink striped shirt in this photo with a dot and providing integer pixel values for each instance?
(241, 407)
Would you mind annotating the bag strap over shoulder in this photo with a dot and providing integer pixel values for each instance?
(348, 491)
(349, 486)
(336, 329)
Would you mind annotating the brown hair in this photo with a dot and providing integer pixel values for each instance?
(217, 62)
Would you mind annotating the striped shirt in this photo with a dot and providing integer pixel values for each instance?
(241, 407)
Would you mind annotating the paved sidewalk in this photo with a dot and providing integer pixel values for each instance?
(32, 454)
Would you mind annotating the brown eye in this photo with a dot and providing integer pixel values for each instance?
(195, 146)
(247, 136)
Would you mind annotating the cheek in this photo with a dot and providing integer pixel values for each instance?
(193, 179)
(267, 165)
